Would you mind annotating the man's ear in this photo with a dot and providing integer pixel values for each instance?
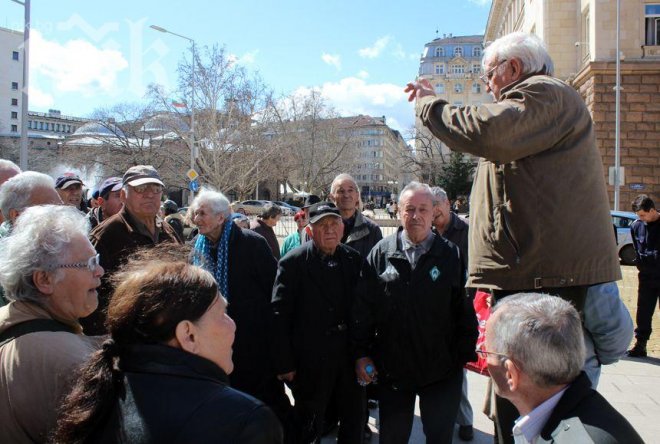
(512, 375)
(516, 68)
(122, 196)
(186, 336)
(44, 281)
(13, 214)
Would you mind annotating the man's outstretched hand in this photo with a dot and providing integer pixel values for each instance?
(419, 89)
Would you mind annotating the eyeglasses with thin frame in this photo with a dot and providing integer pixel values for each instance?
(489, 74)
(91, 264)
(153, 188)
(484, 354)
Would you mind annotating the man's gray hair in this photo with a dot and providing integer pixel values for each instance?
(270, 210)
(542, 334)
(439, 196)
(41, 238)
(527, 48)
(414, 187)
(8, 165)
(216, 201)
(340, 178)
(16, 193)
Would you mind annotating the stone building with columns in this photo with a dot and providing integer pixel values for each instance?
(581, 38)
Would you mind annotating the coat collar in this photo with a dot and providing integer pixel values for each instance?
(573, 395)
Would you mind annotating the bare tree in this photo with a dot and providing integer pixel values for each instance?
(428, 157)
(228, 103)
(313, 143)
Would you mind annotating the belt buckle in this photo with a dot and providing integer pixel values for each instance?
(537, 283)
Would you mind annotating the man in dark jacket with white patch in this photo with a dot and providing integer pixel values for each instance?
(414, 324)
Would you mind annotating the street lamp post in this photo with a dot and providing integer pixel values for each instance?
(23, 156)
(192, 101)
(617, 112)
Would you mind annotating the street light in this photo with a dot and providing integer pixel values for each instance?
(192, 101)
(617, 112)
(23, 156)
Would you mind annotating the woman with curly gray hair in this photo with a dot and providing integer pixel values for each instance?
(50, 273)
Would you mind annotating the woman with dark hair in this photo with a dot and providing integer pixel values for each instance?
(162, 375)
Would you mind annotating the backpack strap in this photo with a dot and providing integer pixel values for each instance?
(32, 326)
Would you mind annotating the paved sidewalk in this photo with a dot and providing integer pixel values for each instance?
(632, 386)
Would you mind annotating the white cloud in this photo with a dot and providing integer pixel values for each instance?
(352, 96)
(481, 2)
(246, 59)
(332, 60)
(76, 66)
(375, 50)
(40, 99)
(363, 74)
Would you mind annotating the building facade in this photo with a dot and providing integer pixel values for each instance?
(581, 38)
(453, 65)
(11, 79)
(380, 152)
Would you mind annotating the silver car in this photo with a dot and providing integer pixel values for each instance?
(622, 221)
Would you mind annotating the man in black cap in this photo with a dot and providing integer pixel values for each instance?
(135, 226)
(69, 187)
(312, 297)
(108, 200)
(310, 200)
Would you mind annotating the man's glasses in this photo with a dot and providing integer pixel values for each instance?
(153, 188)
(91, 264)
(483, 354)
(489, 74)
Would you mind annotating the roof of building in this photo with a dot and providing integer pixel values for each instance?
(450, 39)
(99, 129)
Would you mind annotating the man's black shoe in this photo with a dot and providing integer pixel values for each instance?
(639, 350)
(466, 433)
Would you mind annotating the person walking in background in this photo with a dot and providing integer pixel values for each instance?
(265, 224)
(646, 239)
(108, 200)
(293, 240)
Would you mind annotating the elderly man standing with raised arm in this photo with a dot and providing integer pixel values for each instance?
(539, 169)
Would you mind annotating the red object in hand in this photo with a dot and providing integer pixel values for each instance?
(482, 310)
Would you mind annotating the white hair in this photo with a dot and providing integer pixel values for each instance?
(542, 334)
(414, 187)
(527, 48)
(340, 178)
(439, 196)
(16, 193)
(41, 238)
(8, 165)
(217, 202)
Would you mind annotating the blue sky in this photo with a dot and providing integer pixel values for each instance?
(359, 53)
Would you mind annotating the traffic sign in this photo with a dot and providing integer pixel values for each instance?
(192, 174)
(194, 186)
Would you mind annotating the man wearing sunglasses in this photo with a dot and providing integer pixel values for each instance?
(136, 226)
(535, 352)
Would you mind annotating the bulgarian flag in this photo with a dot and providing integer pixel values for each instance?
(178, 104)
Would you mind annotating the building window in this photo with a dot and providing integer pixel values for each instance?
(458, 51)
(41, 125)
(458, 87)
(476, 68)
(476, 88)
(652, 28)
(439, 52)
(14, 55)
(457, 69)
(440, 88)
(440, 68)
(14, 85)
(458, 103)
(14, 102)
(476, 51)
(14, 115)
(14, 128)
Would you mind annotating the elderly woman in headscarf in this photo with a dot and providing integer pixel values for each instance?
(244, 268)
(50, 273)
(162, 375)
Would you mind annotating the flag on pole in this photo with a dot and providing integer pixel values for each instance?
(178, 104)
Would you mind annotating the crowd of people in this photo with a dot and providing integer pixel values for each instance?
(119, 330)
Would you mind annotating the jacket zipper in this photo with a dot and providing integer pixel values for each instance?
(509, 237)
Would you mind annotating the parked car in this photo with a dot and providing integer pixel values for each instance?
(287, 209)
(622, 221)
(249, 207)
